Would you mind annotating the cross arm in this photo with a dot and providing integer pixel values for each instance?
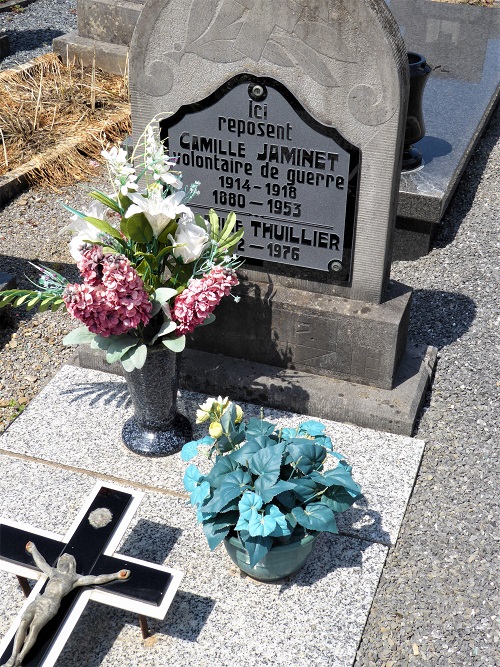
(40, 561)
(91, 580)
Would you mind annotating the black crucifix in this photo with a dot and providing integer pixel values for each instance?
(92, 540)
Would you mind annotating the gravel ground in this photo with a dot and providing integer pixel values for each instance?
(437, 602)
(31, 30)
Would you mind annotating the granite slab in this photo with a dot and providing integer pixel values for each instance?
(76, 422)
(218, 613)
(461, 93)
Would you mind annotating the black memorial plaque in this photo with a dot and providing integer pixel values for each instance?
(291, 181)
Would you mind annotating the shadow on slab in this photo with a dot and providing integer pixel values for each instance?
(440, 318)
(465, 194)
(99, 392)
(150, 541)
(331, 553)
(363, 523)
(29, 40)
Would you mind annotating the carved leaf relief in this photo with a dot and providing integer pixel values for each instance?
(327, 39)
(276, 54)
(218, 50)
(310, 61)
(201, 15)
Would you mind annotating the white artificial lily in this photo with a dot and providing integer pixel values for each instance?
(159, 210)
(124, 172)
(85, 231)
(158, 162)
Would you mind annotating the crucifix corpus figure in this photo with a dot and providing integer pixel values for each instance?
(62, 579)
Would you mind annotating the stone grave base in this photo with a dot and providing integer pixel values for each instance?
(69, 437)
(393, 410)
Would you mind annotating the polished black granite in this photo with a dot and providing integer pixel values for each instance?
(462, 45)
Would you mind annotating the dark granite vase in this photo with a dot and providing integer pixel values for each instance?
(156, 429)
(415, 127)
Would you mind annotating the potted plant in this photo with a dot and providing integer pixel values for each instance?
(152, 271)
(268, 494)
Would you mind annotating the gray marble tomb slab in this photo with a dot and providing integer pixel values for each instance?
(462, 45)
(315, 618)
(76, 422)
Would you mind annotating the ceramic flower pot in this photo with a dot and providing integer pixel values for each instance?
(281, 561)
(156, 428)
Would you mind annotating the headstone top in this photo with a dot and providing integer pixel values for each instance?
(344, 62)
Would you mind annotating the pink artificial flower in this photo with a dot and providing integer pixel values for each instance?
(112, 299)
(200, 298)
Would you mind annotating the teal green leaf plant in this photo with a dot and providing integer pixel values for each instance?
(267, 485)
(153, 270)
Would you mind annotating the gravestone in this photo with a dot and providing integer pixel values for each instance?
(292, 114)
(91, 540)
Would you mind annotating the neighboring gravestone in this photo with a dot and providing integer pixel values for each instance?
(291, 113)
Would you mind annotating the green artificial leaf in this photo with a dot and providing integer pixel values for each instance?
(106, 200)
(287, 499)
(219, 471)
(339, 476)
(228, 420)
(316, 516)
(213, 218)
(257, 547)
(135, 357)
(243, 454)
(118, 346)
(280, 487)
(80, 336)
(312, 427)
(160, 298)
(221, 497)
(305, 455)
(167, 327)
(149, 258)
(266, 463)
(189, 450)
(260, 524)
(228, 227)
(102, 225)
(282, 528)
(215, 531)
(192, 478)
(338, 499)
(305, 489)
(232, 240)
(101, 342)
(199, 494)
(207, 320)
(170, 229)
(138, 229)
(45, 304)
(175, 344)
(56, 304)
(232, 487)
(256, 427)
(163, 253)
(21, 299)
(33, 301)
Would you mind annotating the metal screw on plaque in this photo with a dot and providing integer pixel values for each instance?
(335, 266)
(257, 92)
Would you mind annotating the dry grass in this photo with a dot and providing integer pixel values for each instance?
(59, 116)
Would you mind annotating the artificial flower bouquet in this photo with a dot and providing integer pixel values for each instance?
(268, 485)
(152, 270)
